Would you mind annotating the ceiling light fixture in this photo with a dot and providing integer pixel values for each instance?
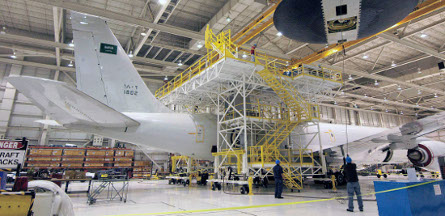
(3, 30)
(228, 19)
(423, 35)
(335, 102)
(342, 92)
(385, 99)
(393, 64)
(244, 55)
(365, 56)
(130, 54)
(376, 83)
(279, 34)
(13, 55)
(180, 63)
(71, 44)
(399, 88)
(435, 95)
(401, 112)
(417, 104)
(366, 95)
(419, 92)
(70, 64)
(350, 77)
(386, 110)
(83, 23)
(162, 2)
(417, 114)
(143, 33)
(199, 45)
(419, 71)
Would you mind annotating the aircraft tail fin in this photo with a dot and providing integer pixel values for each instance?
(69, 106)
(105, 72)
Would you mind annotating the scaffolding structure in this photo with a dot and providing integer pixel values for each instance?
(259, 103)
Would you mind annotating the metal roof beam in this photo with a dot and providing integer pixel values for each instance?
(125, 18)
(412, 45)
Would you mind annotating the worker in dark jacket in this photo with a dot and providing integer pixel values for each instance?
(278, 175)
(350, 172)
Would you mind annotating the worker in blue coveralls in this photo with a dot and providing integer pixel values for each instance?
(278, 175)
(350, 173)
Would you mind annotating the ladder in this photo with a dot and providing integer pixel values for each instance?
(299, 111)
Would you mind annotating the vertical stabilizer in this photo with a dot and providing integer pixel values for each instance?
(105, 72)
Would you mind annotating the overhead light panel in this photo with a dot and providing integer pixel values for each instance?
(393, 64)
(143, 33)
(279, 34)
(70, 64)
(162, 2)
(83, 23)
(130, 54)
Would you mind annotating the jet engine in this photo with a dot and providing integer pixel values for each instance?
(426, 153)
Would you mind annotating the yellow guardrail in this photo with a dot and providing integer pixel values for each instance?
(259, 155)
(221, 46)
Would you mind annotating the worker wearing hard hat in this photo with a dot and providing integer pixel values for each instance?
(278, 175)
(350, 172)
(252, 52)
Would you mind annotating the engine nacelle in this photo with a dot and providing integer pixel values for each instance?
(426, 153)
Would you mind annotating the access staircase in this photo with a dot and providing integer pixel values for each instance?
(299, 111)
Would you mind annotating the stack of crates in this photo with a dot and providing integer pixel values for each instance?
(123, 158)
(74, 156)
(44, 157)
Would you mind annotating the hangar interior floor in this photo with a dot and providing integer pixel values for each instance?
(148, 197)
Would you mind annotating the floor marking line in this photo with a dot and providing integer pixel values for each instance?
(275, 204)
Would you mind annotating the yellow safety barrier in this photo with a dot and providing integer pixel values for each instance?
(275, 204)
(16, 203)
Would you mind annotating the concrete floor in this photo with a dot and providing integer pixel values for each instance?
(151, 197)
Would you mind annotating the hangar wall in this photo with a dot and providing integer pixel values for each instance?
(19, 120)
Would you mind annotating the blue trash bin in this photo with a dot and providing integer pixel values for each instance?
(424, 200)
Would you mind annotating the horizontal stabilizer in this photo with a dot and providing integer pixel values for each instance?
(69, 106)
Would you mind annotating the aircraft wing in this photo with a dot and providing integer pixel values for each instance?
(376, 146)
(69, 106)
